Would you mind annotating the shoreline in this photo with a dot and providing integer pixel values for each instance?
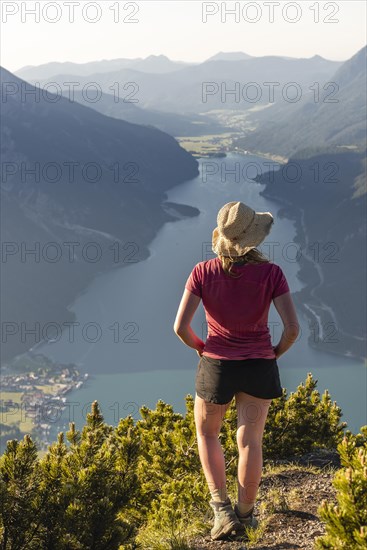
(171, 212)
(178, 211)
(270, 156)
(20, 372)
(305, 299)
(30, 393)
(220, 145)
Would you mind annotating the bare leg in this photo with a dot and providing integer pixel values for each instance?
(251, 417)
(208, 421)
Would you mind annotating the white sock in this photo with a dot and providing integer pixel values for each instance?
(219, 495)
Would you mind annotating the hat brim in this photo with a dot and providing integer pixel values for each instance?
(251, 238)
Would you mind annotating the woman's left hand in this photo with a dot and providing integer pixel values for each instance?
(199, 352)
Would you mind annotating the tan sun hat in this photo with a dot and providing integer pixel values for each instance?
(239, 229)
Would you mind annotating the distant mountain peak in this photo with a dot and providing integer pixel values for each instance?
(158, 64)
(229, 56)
(160, 56)
(322, 59)
(353, 68)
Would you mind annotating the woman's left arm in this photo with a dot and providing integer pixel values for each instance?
(188, 305)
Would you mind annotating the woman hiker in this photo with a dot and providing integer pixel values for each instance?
(237, 359)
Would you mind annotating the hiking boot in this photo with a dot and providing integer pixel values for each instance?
(225, 520)
(247, 520)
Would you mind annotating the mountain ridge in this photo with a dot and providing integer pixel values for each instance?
(182, 91)
(36, 211)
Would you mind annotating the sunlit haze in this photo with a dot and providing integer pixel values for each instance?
(64, 31)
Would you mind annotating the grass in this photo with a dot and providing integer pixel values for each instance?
(205, 144)
(159, 541)
(14, 396)
(273, 469)
(14, 417)
(254, 536)
(25, 427)
(274, 501)
(295, 498)
(176, 534)
(51, 389)
(270, 469)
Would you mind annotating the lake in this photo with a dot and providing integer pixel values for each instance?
(125, 340)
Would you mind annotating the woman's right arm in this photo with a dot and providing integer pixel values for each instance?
(285, 307)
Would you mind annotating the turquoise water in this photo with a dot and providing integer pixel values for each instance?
(147, 361)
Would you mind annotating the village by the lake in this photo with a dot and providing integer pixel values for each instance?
(33, 396)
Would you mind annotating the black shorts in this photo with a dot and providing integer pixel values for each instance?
(217, 380)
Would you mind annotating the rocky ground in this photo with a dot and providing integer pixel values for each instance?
(289, 495)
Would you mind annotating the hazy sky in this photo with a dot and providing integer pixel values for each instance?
(65, 30)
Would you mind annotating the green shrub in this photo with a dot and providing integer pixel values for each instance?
(346, 523)
(302, 422)
(70, 499)
(19, 488)
(175, 492)
(139, 484)
(295, 425)
(179, 513)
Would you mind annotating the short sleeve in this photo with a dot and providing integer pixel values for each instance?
(194, 283)
(280, 284)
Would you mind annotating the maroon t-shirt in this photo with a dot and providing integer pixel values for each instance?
(236, 310)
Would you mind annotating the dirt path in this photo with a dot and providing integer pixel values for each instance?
(286, 508)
